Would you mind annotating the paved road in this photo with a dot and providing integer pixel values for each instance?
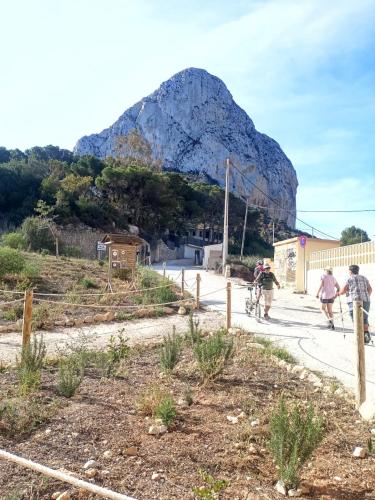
(296, 323)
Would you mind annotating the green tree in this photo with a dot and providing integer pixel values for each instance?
(352, 235)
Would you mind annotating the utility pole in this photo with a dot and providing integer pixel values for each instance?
(226, 207)
(244, 228)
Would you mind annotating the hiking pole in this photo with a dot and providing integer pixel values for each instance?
(342, 318)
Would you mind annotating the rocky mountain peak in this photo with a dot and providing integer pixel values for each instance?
(193, 124)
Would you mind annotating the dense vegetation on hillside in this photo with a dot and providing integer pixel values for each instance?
(117, 192)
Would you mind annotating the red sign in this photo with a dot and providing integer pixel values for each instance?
(302, 241)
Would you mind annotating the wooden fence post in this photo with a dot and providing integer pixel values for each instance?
(182, 282)
(198, 291)
(27, 317)
(360, 371)
(164, 268)
(229, 305)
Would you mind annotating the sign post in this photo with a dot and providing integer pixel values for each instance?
(101, 249)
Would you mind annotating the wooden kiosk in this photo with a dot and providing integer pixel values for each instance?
(124, 252)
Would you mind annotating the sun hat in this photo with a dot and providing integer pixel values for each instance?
(267, 266)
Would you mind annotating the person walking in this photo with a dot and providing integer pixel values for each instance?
(357, 287)
(266, 279)
(258, 268)
(327, 294)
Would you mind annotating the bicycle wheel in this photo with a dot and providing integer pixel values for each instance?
(249, 307)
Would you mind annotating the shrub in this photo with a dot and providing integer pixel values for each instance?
(294, 435)
(212, 354)
(270, 350)
(29, 368)
(283, 354)
(72, 251)
(194, 334)
(14, 240)
(170, 351)
(151, 399)
(20, 416)
(31, 271)
(70, 376)
(88, 283)
(13, 313)
(37, 235)
(118, 348)
(211, 488)
(41, 316)
(11, 261)
(148, 278)
(166, 410)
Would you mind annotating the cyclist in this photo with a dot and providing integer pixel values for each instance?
(266, 279)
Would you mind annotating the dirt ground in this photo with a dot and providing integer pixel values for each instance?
(105, 416)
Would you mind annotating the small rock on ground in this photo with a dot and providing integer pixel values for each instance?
(359, 452)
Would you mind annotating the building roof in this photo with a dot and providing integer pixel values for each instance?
(293, 240)
(123, 239)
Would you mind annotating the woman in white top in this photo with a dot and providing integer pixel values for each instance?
(327, 294)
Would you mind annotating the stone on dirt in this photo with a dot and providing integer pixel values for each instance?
(132, 451)
(109, 316)
(255, 345)
(64, 496)
(181, 311)
(89, 464)
(90, 473)
(280, 488)
(367, 410)
(297, 369)
(359, 452)
(107, 454)
(232, 420)
(155, 430)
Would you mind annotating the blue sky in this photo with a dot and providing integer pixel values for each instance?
(304, 71)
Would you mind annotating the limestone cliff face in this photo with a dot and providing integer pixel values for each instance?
(193, 124)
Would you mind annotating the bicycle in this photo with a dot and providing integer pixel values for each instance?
(252, 305)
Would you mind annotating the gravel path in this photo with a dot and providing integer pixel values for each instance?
(137, 331)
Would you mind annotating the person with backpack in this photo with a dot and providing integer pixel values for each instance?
(258, 268)
(266, 279)
(327, 294)
(357, 287)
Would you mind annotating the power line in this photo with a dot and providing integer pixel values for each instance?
(276, 203)
(316, 211)
(337, 211)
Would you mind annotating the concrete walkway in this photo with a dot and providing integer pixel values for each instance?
(296, 323)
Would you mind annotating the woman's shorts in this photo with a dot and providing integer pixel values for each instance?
(327, 301)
